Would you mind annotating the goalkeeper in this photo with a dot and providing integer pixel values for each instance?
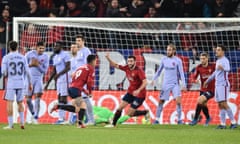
(104, 115)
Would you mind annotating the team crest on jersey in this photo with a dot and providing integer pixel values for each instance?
(133, 74)
(173, 63)
(209, 70)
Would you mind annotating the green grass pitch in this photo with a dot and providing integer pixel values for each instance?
(122, 134)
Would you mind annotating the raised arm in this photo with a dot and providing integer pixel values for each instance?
(112, 63)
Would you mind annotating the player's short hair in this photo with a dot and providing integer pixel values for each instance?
(59, 43)
(12, 45)
(80, 36)
(91, 58)
(222, 47)
(172, 46)
(40, 43)
(131, 56)
(204, 54)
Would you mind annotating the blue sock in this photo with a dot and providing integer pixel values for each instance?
(37, 107)
(10, 121)
(230, 115)
(223, 117)
(61, 113)
(179, 111)
(159, 111)
(89, 110)
(30, 105)
(21, 115)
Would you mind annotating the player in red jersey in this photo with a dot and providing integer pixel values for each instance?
(204, 70)
(84, 75)
(136, 92)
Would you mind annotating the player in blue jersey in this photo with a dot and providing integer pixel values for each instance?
(222, 87)
(81, 59)
(173, 74)
(38, 63)
(14, 68)
(61, 62)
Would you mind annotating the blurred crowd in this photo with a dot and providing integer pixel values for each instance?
(121, 8)
(113, 8)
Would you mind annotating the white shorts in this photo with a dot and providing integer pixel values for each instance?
(37, 83)
(11, 93)
(221, 93)
(62, 88)
(167, 89)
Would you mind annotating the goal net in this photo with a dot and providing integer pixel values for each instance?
(147, 40)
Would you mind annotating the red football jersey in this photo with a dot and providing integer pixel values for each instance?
(204, 73)
(83, 75)
(135, 78)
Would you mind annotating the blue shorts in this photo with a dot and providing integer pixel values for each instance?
(37, 84)
(74, 92)
(62, 88)
(221, 93)
(167, 89)
(134, 101)
(11, 93)
(207, 94)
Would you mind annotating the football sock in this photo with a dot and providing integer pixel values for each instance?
(37, 107)
(21, 115)
(197, 111)
(89, 110)
(69, 108)
(117, 115)
(81, 115)
(61, 113)
(205, 111)
(179, 111)
(230, 115)
(10, 121)
(159, 111)
(223, 117)
(140, 112)
(30, 106)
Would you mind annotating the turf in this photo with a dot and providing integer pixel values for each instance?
(123, 134)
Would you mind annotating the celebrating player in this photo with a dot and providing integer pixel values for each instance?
(14, 68)
(136, 92)
(173, 68)
(204, 70)
(38, 63)
(61, 62)
(222, 87)
(84, 75)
